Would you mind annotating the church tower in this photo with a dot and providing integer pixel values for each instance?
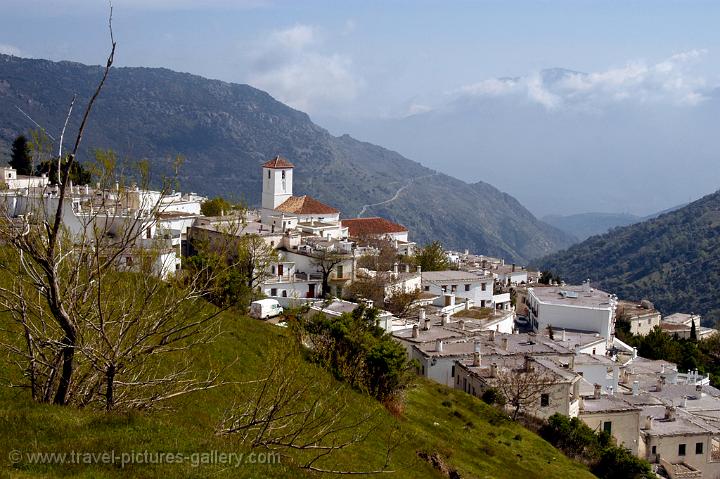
(277, 182)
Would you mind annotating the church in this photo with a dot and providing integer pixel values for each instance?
(283, 212)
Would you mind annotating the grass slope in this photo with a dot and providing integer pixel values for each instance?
(469, 436)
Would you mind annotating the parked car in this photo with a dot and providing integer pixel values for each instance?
(521, 321)
(265, 308)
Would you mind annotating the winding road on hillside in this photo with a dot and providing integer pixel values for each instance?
(396, 195)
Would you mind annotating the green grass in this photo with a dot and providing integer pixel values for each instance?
(465, 433)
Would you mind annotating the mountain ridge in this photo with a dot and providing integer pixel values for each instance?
(226, 130)
(672, 260)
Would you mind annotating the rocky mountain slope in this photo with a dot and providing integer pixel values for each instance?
(673, 260)
(225, 131)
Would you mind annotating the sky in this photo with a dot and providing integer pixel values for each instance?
(347, 61)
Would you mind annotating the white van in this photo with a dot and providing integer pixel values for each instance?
(265, 308)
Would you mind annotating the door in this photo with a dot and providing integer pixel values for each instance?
(280, 269)
(311, 290)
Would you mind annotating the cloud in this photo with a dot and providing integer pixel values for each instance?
(7, 49)
(671, 81)
(292, 65)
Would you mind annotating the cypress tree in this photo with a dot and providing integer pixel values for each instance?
(20, 156)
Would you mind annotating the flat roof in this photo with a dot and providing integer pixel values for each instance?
(569, 295)
(453, 275)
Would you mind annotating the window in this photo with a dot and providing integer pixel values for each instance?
(284, 294)
(467, 287)
(698, 448)
(339, 271)
(427, 288)
(483, 286)
(128, 261)
(268, 174)
(654, 450)
(607, 427)
(544, 400)
(283, 174)
(444, 289)
(681, 450)
(273, 292)
(452, 371)
(453, 288)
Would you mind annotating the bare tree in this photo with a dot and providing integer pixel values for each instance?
(308, 421)
(523, 386)
(326, 262)
(403, 303)
(84, 279)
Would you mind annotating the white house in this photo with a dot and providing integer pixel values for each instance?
(9, 179)
(579, 308)
(477, 287)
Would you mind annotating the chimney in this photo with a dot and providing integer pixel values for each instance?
(659, 384)
(445, 319)
(395, 268)
(648, 422)
(427, 324)
(492, 335)
(683, 404)
(669, 413)
(439, 346)
(421, 315)
(493, 370)
(477, 346)
(419, 269)
(462, 325)
(634, 353)
(662, 369)
(407, 268)
(564, 336)
(636, 388)
(504, 343)
(415, 331)
(571, 363)
(513, 267)
(87, 190)
(467, 304)
(476, 359)
(528, 364)
(596, 393)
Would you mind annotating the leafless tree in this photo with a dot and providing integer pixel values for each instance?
(326, 262)
(523, 386)
(305, 417)
(82, 279)
(403, 303)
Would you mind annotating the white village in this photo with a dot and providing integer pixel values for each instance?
(472, 326)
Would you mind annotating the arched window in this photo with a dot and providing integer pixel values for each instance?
(268, 174)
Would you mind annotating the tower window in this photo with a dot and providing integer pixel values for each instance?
(268, 174)
(283, 174)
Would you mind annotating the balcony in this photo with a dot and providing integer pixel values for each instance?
(294, 278)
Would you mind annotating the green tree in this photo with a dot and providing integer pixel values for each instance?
(20, 157)
(432, 257)
(76, 173)
(693, 331)
(215, 207)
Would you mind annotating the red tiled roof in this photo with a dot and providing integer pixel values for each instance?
(305, 205)
(372, 226)
(278, 162)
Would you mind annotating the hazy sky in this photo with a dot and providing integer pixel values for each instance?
(347, 62)
(370, 58)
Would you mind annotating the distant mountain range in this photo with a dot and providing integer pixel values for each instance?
(672, 260)
(225, 131)
(584, 225)
(562, 141)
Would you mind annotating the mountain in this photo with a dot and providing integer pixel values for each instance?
(584, 225)
(673, 260)
(225, 131)
(564, 142)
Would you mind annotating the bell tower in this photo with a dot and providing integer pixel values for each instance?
(277, 182)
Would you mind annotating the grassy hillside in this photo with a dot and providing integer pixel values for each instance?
(465, 434)
(672, 260)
